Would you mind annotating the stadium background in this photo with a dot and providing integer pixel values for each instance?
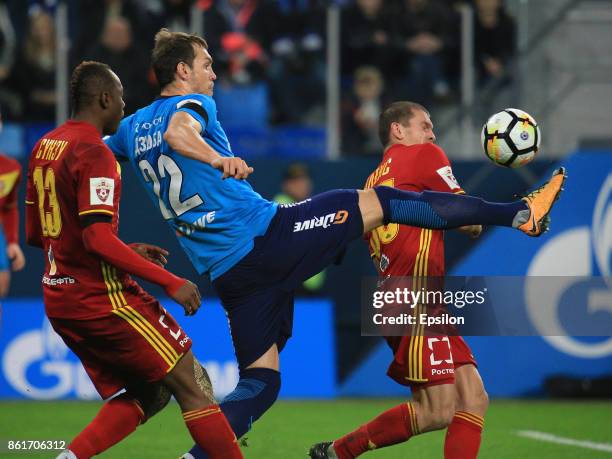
(548, 68)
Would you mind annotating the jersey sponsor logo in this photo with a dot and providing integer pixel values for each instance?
(201, 223)
(447, 175)
(443, 371)
(101, 191)
(56, 281)
(432, 355)
(324, 221)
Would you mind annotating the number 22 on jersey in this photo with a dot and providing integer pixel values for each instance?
(167, 167)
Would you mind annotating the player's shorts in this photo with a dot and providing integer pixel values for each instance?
(4, 261)
(302, 239)
(131, 345)
(423, 361)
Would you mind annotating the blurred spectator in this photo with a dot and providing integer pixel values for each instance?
(94, 15)
(117, 49)
(495, 36)
(360, 112)
(367, 31)
(297, 62)
(297, 187)
(425, 29)
(8, 99)
(246, 29)
(34, 71)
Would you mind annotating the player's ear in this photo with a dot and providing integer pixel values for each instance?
(105, 99)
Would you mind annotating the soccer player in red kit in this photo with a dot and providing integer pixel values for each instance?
(124, 338)
(441, 371)
(11, 256)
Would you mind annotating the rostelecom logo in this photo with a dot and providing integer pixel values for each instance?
(325, 221)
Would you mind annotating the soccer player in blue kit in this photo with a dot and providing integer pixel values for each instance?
(254, 251)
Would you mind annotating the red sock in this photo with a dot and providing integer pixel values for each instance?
(211, 432)
(391, 427)
(463, 436)
(117, 418)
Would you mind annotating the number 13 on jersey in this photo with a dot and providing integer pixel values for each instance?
(51, 220)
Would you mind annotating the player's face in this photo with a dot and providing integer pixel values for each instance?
(202, 75)
(419, 130)
(116, 107)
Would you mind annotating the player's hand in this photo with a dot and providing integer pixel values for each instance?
(473, 231)
(188, 296)
(232, 167)
(14, 253)
(151, 252)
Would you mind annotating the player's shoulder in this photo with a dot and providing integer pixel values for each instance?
(432, 151)
(202, 100)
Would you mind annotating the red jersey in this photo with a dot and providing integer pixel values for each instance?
(71, 174)
(10, 175)
(401, 250)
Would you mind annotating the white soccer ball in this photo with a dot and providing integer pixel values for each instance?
(511, 138)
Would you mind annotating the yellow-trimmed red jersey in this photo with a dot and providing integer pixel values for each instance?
(10, 176)
(401, 250)
(72, 174)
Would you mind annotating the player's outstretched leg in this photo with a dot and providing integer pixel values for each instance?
(436, 210)
(431, 409)
(206, 423)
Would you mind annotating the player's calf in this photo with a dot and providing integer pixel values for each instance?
(206, 423)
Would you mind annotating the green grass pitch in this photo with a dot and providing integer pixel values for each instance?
(287, 430)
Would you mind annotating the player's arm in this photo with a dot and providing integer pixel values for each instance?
(183, 135)
(99, 239)
(10, 221)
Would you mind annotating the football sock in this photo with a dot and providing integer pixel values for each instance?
(463, 436)
(391, 427)
(256, 391)
(117, 418)
(435, 210)
(211, 432)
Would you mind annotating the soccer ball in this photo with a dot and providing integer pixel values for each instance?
(511, 138)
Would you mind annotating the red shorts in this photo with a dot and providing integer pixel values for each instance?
(131, 345)
(422, 361)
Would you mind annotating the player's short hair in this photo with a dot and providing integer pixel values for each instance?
(170, 49)
(88, 80)
(397, 112)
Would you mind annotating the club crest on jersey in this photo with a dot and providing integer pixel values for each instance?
(447, 175)
(101, 191)
(325, 221)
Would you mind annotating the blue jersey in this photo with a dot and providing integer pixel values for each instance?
(216, 219)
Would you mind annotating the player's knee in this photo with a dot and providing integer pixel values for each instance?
(477, 402)
(441, 413)
(152, 398)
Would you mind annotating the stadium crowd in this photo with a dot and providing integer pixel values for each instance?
(400, 49)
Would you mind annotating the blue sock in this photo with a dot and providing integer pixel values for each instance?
(256, 391)
(435, 210)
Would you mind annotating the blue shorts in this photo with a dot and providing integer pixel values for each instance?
(302, 239)
(4, 261)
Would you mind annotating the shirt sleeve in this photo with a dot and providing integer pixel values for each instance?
(97, 179)
(203, 109)
(437, 173)
(118, 141)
